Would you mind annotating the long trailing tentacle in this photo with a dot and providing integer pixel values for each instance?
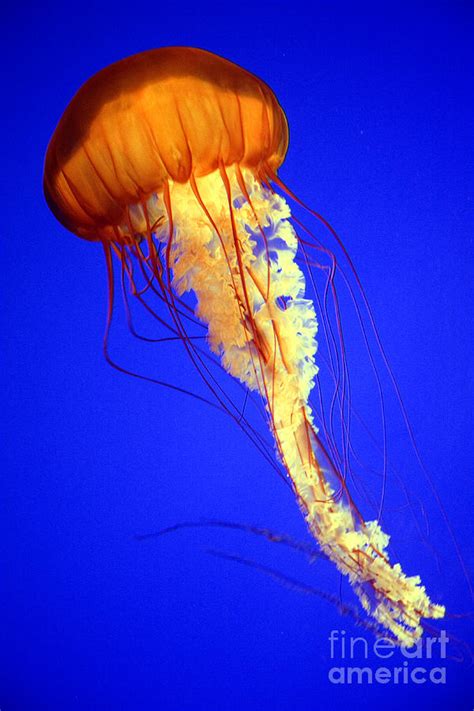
(222, 244)
(230, 240)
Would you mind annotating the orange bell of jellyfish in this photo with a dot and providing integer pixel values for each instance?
(163, 114)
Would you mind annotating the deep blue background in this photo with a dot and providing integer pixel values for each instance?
(379, 103)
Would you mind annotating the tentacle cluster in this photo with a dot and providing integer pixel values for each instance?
(229, 240)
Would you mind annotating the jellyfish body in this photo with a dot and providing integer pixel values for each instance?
(169, 157)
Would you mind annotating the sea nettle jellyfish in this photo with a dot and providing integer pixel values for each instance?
(169, 158)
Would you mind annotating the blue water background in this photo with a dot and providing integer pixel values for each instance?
(379, 102)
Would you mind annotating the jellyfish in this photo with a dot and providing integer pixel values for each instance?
(170, 159)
